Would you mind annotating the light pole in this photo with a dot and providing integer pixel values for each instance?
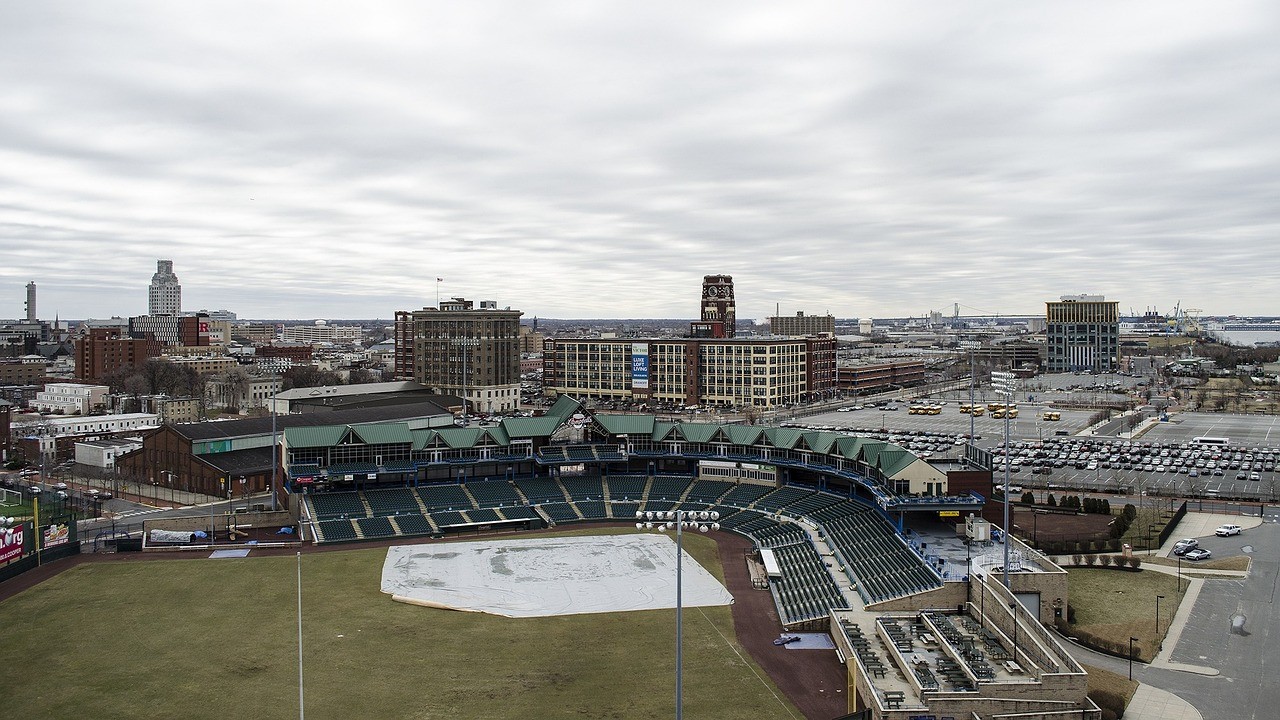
(275, 442)
(1179, 573)
(1132, 640)
(702, 520)
(244, 488)
(1013, 613)
(301, 705)
(1158, 599)
(1005, 385)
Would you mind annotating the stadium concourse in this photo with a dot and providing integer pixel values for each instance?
(841, 527)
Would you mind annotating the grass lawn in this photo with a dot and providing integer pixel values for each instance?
(1120, 604)
(1106, 682)
(218, 638)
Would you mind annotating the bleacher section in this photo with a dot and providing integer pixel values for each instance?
(708, 491)
(393, 502)
(667, 487)
(626, 487)
(374, 528)
(583, 488)
(592, 509)
(541, 490)
(560, 512)
(444, 497)
(494, 493)
(327, 506)
(805, 591)
(875, 555)
(411, 525)
(744, 494)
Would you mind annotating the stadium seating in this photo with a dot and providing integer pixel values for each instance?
(626, 487)
(591, 509)
(666, 487)
(326, 506)
(743, 494)
(708, 491)
(483, 515)
(337, 530)
(560, 512)
(541, 490)
(583, 488)
(411, 525)
(398, 501)
(494, 493)
(444, 497)
(373, 528)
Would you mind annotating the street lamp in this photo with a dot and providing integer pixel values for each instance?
(244, 488)
(1132, 640)
(1158, 599)
(702, 521)
(1005, 385)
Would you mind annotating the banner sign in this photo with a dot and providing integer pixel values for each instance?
(11, 542)
(56, 535)
(640, 366)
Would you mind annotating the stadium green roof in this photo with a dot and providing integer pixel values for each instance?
(383, 433)
(315, 436)
(626, 424)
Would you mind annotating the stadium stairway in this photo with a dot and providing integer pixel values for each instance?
(541, 513)
(843, 582)
(368, 509)
(467, 491)
(395, 525)
(422, 505)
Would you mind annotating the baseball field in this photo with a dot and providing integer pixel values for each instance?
(218, 638)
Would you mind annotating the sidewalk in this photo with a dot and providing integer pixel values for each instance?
(1152, 703)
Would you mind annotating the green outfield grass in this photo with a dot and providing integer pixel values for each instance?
(218, 639)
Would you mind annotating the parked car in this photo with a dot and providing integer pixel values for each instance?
(1228, 529)
(1198, 554)
(1182, 547)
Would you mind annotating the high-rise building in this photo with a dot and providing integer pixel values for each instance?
(461, 350)
(1082, 334)
(802, 325)
(718, 318)
(164, 297)
(31, 301)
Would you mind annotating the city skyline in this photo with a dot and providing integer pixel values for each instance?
(873, 160)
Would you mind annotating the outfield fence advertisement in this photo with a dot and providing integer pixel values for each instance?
(12, 541)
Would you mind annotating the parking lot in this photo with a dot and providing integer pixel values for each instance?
(1066, 460)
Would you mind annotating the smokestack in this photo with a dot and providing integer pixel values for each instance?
(31, 301)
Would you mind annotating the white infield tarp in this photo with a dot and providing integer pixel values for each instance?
(540, 577)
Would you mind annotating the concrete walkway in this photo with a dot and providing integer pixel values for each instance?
(1152, 703)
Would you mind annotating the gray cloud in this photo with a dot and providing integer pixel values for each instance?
(576, 160)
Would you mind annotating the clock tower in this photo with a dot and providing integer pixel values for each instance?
(718, 309)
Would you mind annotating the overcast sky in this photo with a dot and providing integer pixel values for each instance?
(593, 159)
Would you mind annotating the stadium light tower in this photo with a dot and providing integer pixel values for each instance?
(1005, 385)
(702, 521)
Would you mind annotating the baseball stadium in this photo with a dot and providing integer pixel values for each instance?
(543, 566)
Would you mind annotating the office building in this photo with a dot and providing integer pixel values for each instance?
(801, 325)
(164, 297)
(759, 372)
(1082, 334)
(458, 349)
(31, 301)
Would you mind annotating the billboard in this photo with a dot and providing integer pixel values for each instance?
(12, 540)
(639, 366)
(56, 535)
